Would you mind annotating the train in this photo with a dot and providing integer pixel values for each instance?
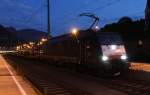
(88, 51)
(101, 53)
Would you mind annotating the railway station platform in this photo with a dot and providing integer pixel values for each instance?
(140, 66)
(12, 83)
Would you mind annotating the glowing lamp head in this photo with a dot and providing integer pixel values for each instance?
(43, 40)
(105, 58)
(31, 43)
(24, 45)
(18, 47)
(74, 31)
(29, 47)
(40, 43)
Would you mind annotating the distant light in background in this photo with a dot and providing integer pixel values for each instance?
(29, 47)
(140, 42)
(8, 51)
(17, 48)
(43, 39)
(25, 45)
(31, 43)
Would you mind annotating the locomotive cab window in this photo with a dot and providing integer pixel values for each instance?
(112, 47)
(113, 50)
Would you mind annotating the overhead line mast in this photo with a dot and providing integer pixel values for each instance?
(147, 15)
(48, 20)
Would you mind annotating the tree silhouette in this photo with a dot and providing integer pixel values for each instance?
(127, 28)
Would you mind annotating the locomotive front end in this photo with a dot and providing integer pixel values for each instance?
(113, 56)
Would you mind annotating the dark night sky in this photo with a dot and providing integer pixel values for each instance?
(64, 13)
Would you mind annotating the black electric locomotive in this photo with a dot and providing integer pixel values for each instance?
(98, 52)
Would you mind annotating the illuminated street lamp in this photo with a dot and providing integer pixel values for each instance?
(140, 42)
(38, 44)
(17, 48)
(31, 43)
(41, 43)
(29, 47)
(74, 31)
(43, 40)
(24, 45)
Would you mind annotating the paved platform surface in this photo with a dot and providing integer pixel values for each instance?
(12, 83)
(140, 66)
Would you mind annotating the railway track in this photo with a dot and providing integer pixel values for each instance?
(132, 88)
(127, 85)
(49, 86)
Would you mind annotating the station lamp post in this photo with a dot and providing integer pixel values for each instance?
(75, 33)
(48, 20)
(43, 40)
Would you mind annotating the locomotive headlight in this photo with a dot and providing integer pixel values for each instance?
(105, 58)
(113, 47)
(124, 57)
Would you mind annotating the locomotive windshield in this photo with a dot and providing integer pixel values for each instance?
(111, 44)
(110, 50)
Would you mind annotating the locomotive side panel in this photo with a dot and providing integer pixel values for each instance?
(64, 51)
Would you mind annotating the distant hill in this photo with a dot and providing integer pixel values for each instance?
(30, 34)
(9, 36)
(5, 33)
